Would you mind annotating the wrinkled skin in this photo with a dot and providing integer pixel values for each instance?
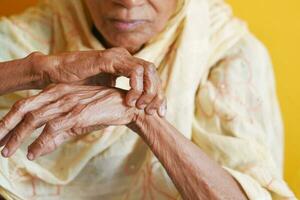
(37, 71)
(76, 67)
(130, 23)
(66, 111)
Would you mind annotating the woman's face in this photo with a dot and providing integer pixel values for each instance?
(130, 23)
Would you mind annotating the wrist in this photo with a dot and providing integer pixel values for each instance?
(141, 119)
(146, 125)
(39, 69)
(137, 123)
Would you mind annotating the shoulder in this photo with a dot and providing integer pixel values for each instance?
(243, 80)
(243, 84)
(248, 59)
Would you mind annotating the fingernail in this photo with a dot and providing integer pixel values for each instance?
(142, 106)
(30, 156)
(151, 112)
(162, 112)
(4, 152)
(132, 102)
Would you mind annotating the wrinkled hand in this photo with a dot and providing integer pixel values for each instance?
(79, 67)
(66, 111)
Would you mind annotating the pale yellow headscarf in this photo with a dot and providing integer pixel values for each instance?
(197, 37)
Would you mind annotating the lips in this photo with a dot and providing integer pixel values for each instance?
(127, 25)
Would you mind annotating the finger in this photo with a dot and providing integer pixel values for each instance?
(35, 119)
(34, 151)
(16, 138)
(51, 130)
(12, 118)
(37, 149)
(151, 85)
(154, 106)
(19, 109)
(136, 84)
(22, 107)
(163, 109)
(5, 140)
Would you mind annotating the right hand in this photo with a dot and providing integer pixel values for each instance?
(77, 67)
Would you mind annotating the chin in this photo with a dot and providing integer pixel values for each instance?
(133, 42)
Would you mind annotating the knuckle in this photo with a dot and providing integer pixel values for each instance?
(19, 106)
(151, 109)
(75, 98)
(149, 93)
(19, 103)
(31, 118)
(139, 70)
(77, 109)
(61, 87)
(16, 138)
(151, 68)
(136, 91)
(50, 127)
(41, 143)
(3, 124)
(69, 98)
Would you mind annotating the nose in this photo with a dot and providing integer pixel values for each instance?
(130, 3)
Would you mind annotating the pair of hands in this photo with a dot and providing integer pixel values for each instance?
(102, 67)
(79, 107)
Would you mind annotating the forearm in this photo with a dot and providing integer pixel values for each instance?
(195, 175)
(19, 75)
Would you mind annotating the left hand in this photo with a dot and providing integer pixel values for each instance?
(66, 111)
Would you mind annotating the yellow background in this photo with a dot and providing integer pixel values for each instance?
(277, 24)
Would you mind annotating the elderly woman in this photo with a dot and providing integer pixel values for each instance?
(89, 134)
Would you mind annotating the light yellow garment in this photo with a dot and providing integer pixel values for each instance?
(221, 94)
